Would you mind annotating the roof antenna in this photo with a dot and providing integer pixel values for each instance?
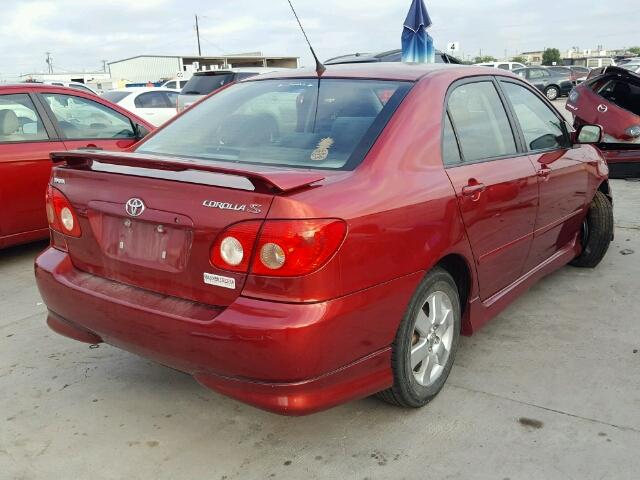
(320, 68)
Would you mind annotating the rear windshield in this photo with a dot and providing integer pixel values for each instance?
(306, 123)
(115, 97)
(621, 90)
(205, 84)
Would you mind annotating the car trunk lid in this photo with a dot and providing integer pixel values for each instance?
(150, 221)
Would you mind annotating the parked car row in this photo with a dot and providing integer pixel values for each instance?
(549, 82)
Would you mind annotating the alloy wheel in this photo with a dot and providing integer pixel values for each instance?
(432, 338)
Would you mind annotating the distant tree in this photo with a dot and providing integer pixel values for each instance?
(551, 56)
(519, 59)
(635, 50)
(484, 59)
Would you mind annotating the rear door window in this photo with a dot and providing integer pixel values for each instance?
(481, 122)
(542, 129)
(624, 92)
(80, 118)
(205, 84)
(154, 100)
(537, 73)
(19, 120)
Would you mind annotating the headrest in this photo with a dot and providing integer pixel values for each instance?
(8, 122)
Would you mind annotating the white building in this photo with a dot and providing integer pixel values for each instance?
(154, 68)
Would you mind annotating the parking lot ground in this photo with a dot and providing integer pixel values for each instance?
(548, 390)
(560, 104)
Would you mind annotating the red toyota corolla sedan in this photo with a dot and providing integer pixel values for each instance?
(36, 119)
(296, 242)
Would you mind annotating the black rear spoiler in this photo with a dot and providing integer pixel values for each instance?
(278, 179)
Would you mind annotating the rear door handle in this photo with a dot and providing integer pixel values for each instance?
(473, 190)
(544, 173)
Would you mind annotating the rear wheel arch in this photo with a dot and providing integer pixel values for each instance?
(605, 188)
(458, 267)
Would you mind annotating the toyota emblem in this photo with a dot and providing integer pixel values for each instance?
(602, 108)
(134, 207)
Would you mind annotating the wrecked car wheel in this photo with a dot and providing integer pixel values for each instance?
(552, 93)
(597, 232)
(426, 342)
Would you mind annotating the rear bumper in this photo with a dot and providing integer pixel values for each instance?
(565, 89)
(291, 359)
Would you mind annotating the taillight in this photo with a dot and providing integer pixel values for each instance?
(633, 132)
(60, 214)
(290, 248)
(232, 249)
(285, 248)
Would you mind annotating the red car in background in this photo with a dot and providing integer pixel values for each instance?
(611, 98)
(36, 119)
(296, 242)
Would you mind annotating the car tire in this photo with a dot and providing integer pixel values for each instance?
(597, 232)
(426, 330)
(552, 92)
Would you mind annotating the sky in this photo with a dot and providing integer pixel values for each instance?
(81, 33)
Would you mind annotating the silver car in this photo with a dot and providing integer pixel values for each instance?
(203, 83)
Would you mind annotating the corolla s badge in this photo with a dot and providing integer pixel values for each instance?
(134, 207)
(238, 207)
(602, 108)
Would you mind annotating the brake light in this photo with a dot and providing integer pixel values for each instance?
(284, 248)
(60, 214)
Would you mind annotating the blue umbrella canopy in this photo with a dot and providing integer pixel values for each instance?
(417, 44)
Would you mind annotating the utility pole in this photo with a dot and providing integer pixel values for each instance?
(104, 66)
(198, 35)
(49, 61)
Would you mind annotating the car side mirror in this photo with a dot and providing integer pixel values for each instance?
(589, 134)
(545, 141)
(141, 131)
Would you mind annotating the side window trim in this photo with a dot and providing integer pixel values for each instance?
(447, 116)
(516, 123)
(48, 119)
(507, 107)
